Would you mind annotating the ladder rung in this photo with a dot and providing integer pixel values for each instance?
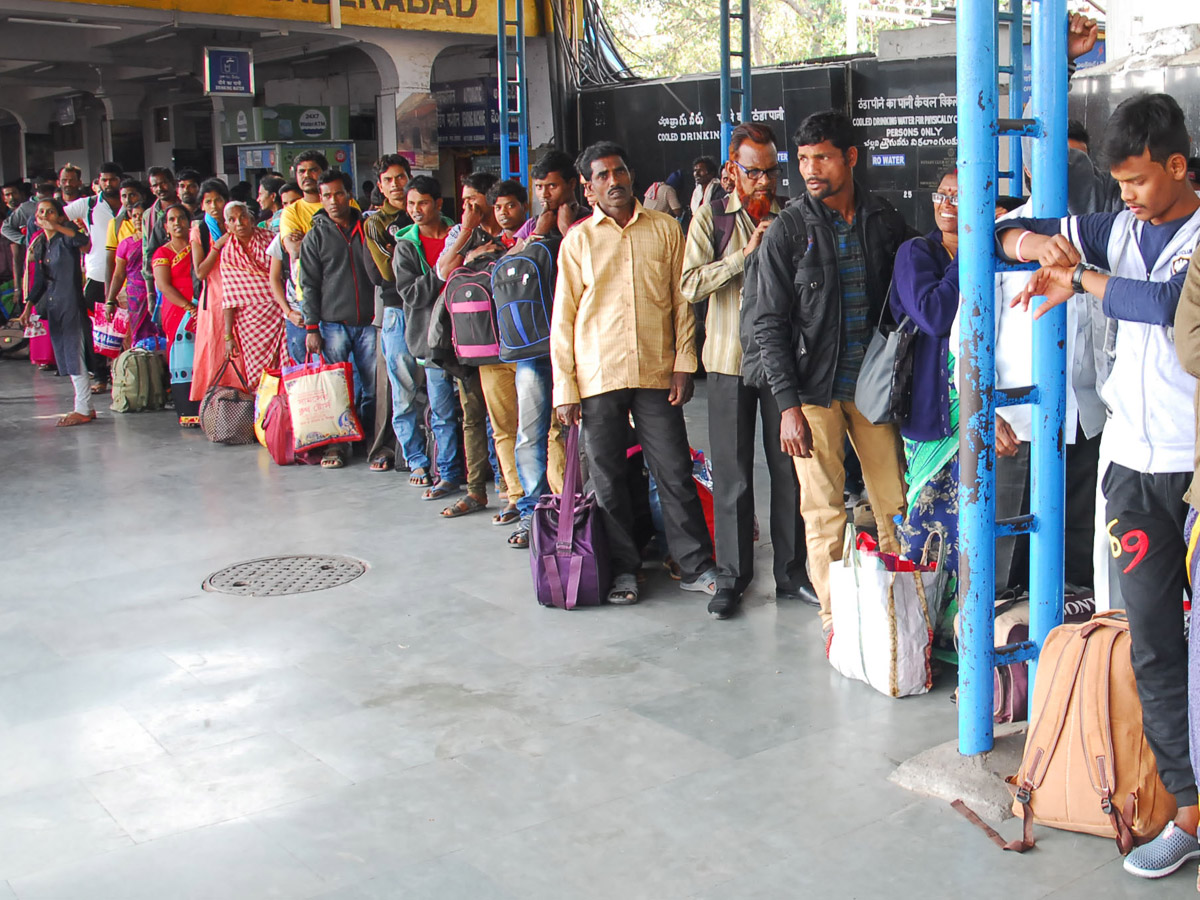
(1003, 266)
(1014, 653)
(1018, 128)
(1017, 525)
(1007, 173)
(1016, 396)
(1005, 70)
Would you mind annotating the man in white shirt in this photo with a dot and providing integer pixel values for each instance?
(704, 170)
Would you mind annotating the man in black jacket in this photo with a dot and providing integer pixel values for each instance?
(824, 269)
(339, 298)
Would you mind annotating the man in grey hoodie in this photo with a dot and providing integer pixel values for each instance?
(339, 298)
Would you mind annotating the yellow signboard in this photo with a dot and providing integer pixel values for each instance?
(461, 16)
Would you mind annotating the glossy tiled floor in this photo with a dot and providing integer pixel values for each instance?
(426, 731)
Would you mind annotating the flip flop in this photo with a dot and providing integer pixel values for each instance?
(332, 460)
(419, 478)
(624, 591)
(704, 583)
(463, 506)
(441, 491)
(519, 539)
(381, 463)
(74, 418)
(673, 569)
(506, 516)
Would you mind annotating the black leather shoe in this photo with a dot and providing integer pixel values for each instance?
(805, 594)
(725, 603)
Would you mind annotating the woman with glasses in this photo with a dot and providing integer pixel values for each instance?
(925, 291)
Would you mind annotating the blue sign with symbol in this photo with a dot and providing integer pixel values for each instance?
(229, 71)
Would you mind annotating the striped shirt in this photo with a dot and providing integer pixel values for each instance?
(856, 307)
(619, 318)
(720, 281)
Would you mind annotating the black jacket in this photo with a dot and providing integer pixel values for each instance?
(333, 274)
(798, 310)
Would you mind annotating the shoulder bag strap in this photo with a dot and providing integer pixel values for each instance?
(565, 539)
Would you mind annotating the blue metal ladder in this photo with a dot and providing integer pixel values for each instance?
(979, 130)
(510, 63)
(744, 89)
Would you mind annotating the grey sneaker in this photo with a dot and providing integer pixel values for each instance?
(1164, 854)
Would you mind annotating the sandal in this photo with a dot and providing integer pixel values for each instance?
(463, 506)
(673, 569)
(420, 478)
(519, 539)
(624, 590)
(381, 463)
(441, 491)
(75, 418)
(98, 387)
(332, 459)
(506, 516)
(704, 583)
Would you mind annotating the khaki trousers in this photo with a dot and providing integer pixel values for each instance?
(823, 479)
(500, 395)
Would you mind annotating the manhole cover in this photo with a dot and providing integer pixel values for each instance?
(273, 575)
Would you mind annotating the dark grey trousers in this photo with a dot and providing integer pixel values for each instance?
(733, 409)
(663, 436)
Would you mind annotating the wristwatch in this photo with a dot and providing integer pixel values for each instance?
(1077, 277)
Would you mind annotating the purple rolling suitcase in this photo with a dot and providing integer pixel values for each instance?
(568, 549)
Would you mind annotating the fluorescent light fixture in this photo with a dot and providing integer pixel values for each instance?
(159, 37)
(166, 77)
(63, 23)
(43, 68)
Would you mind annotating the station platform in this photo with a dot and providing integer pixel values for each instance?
(425, 731)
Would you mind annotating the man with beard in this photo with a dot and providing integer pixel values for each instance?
(813, 319)
(622, 343)
(721, 241)
(94, 214)
(70, 184)
(133, 194)
(154, 229)
(188, 183)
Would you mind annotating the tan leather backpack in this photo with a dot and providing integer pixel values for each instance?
(1087, 766)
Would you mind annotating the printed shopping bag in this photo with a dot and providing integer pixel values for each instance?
(321, 403)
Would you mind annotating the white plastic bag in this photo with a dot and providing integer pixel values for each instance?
(882, 633)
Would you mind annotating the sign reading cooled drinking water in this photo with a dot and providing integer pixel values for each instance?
(229, 71)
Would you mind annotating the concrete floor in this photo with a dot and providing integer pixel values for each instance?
(427, 731)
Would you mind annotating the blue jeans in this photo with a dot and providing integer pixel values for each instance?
(534, 410)
(295, 335)
(346, 343)
(403, 373)
(443, 415)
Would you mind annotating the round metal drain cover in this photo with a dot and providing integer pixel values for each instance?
(274, 575)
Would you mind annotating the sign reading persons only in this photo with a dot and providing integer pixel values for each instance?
(229, 71)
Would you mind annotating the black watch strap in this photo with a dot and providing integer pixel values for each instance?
(1077, 278)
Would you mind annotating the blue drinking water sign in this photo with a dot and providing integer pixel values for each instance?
(229, 71)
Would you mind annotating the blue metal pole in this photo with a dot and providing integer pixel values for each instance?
(726, 85)
(502, 75)
(522, 98)
(747, 100)
(1016, 94)
(977, 167)
(1048, 471)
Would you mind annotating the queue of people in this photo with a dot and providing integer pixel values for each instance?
(794, 290)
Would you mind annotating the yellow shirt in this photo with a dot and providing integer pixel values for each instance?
(298, 218)
(720, 281)
(620, 320)
(128, 229)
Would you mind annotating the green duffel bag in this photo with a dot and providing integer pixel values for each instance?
(138, 382)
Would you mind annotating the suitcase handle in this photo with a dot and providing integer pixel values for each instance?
(564, 540)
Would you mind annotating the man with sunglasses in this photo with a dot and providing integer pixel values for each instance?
(721, 243)
(824, 270)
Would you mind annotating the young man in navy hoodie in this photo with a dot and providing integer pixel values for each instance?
(1135, 262)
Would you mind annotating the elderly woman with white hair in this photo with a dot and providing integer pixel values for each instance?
(253, 320)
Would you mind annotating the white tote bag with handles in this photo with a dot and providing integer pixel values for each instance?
(882, 633)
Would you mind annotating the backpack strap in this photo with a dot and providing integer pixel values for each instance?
(724, 224)
(1095, 723)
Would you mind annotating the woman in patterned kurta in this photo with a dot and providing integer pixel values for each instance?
(253, 320)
